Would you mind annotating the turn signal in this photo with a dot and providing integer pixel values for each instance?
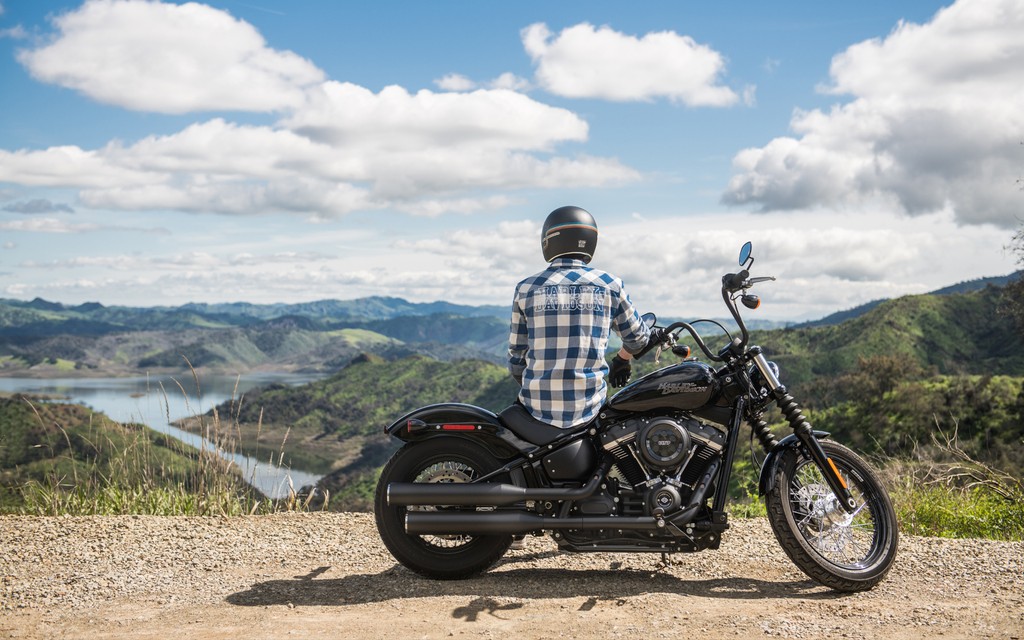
(751, 301)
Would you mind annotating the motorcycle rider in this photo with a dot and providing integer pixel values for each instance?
(561, 321)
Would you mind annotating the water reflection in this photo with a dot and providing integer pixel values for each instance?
(159, 401)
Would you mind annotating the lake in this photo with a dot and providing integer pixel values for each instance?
(159, 401)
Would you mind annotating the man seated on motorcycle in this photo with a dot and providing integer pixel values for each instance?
(561, 321)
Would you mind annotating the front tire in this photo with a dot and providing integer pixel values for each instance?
(441, 557)
(847, 552)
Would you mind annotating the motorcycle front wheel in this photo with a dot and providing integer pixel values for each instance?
(844, 551)
(448, 557)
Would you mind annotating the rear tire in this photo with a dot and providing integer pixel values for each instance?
(847, 552)
(442, 557)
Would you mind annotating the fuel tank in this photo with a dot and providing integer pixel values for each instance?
(687, 386)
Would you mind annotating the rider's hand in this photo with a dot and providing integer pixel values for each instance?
(620, 371)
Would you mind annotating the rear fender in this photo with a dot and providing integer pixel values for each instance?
(456, 420)
(767, 480)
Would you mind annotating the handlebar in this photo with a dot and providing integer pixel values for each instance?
(731, 283)
(696, 338)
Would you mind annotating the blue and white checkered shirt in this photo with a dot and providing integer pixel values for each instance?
(561, 320)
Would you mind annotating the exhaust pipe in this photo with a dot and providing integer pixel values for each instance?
(421, 523)
(482, 494)
(515, 522)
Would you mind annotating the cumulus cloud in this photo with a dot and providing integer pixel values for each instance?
(169, 58)
(345, 149)
(344, 113)
(934, 122)
(587, 62)
(38, 205)
(459, 82)
(336, 147)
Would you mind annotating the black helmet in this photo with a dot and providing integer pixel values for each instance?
(569, 231)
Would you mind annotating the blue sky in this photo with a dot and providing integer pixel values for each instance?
(156, 153)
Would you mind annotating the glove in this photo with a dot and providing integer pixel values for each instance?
(620, 371)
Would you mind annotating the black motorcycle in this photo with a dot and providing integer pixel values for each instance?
(650, 473)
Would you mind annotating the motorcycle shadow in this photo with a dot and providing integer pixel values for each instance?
(613, 584)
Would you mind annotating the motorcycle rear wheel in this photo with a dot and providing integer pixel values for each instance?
(847, 552)
(440, 557)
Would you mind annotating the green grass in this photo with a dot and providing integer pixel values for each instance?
(947, 513)
(946, 493)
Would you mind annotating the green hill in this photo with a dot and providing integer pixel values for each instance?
(949, 334)
(52, 453)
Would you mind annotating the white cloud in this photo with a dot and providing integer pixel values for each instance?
(169, 58)
(17, 32)
(67, 166)
(459, 82)
(53, 225)
(48, 225)
(346, 114)
(509, 81)
(587, 62)
(347, 149)
(823, 264)
(935, 121)
(455, 82)
(337, 147)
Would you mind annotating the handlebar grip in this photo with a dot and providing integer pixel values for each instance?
(651, 344)
(734, 281)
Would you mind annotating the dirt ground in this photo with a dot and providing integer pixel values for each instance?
(328, 576)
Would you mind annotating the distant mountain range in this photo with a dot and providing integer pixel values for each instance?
(44, 338)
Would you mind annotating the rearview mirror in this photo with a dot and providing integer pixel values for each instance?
(745, 253)
(649, 319)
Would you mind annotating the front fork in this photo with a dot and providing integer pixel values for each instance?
(804, 433)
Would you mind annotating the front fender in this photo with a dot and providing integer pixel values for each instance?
(766, 481)
(453, 419)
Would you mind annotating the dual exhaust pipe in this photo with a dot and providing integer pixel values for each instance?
(452, 522)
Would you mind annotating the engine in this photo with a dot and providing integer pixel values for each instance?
(660, 458)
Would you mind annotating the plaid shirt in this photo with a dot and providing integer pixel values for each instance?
(561, 320)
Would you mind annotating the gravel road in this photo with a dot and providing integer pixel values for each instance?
(327, 575)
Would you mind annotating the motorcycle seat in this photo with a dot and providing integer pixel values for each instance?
(519, 421)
